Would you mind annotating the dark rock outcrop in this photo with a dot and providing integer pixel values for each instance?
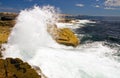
(1, 49)
(7, 16)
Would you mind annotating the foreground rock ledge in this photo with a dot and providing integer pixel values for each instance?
(16, 68)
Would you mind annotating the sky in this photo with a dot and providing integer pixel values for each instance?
(74, 7)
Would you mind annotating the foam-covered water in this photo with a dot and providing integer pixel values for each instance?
(30, 41)
(78, 24)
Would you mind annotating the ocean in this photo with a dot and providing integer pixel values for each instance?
(97, 55)
(104, 29)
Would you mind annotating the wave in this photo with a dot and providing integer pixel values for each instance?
(30, 41)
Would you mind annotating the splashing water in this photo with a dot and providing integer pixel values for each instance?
(30, 41)
(30, 32)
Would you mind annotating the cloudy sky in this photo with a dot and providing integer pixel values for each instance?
(83, 7)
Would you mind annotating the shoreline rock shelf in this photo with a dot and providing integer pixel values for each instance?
(16, 68)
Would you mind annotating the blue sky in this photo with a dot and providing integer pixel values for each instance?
(83, 7)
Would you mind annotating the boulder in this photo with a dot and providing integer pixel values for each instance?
(67, 37)
(16, 68)
(63, 36)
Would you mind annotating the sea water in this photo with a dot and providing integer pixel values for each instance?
(30, 41)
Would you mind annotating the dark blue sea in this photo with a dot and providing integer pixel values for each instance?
(105, 29)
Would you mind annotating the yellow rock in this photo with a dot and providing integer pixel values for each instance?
(4, 33)
(63, 36)
(67, 37)
(16, 68)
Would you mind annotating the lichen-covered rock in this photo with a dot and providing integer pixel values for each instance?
(16, 68)
(63, 36)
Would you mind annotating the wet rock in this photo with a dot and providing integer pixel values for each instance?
(67, 37)
(1, 49)
(16, 68)
(63, 36)
(39, 71)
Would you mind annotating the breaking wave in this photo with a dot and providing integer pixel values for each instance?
(31, 42)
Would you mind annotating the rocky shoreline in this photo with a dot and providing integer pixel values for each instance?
(15, 67)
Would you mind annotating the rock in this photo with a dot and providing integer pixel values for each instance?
(16, 68)
(64, 20)
(10, 23)
(5, 30)
(67, 37)
(63, 36)
(39, 71)
(7, 16)
(1, 50)
(2, 69)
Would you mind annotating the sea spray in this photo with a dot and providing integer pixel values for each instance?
(30, 30)
(30, 41)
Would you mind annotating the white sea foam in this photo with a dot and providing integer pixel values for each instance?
(30, 41)
(77, 24)
(85, 21)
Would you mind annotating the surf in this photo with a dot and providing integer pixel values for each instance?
(30, 41)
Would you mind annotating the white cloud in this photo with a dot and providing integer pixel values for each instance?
(109, 8)
(114, 3)
(97, 0)
(97, 6)
(80, 5)
(29, 0)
